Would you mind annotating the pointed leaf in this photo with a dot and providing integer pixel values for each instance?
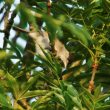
(80, 32)
(88, 103)
(72, 91)
(12, 83)
(76, 101)
(104, 107)
(34, 93)
(3, 101)
(27, 85)
(60, 98)
(97, 92)
(102, 97)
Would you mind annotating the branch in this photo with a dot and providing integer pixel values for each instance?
(8, 27)
(30, 46)
(2, 31)
(94, 70)
(20, 29)
(48, 7)
(24, 104)
(17, 29)
(6, 13)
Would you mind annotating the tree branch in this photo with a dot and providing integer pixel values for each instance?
(48, 7)
(8, 27)
(20, 29)
(2, 31)
(94, 70)
(17, 29)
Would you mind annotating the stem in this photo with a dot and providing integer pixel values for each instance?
(24, 104)
(94, 71)
(20, 29)
(48, 7)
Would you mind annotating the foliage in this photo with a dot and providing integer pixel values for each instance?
(72, 73)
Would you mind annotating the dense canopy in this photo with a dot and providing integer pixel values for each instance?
(55, 54)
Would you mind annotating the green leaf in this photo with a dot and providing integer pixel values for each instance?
(13, 84)
(42, 4)
(104, 107)
(95, 1)
(9, 1)
(102, 97)
(86, 92)
(87, 103)
(72, 91)
(69, 103)
(52, 26)
(97, 92)
(2, 73)
(56, 89)
(27, 85)
(27, 15)
(3, 101)
(76, 101)
(60, 97)
(34, 93)
(80, 32)
(4, 55)
(43, 99)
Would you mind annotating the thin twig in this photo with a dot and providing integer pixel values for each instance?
(94, 71)
(20, 29)
(17, 29)
(2, 31)
(48, 7)
(6, 13)
(24, 104)
(8, 27)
